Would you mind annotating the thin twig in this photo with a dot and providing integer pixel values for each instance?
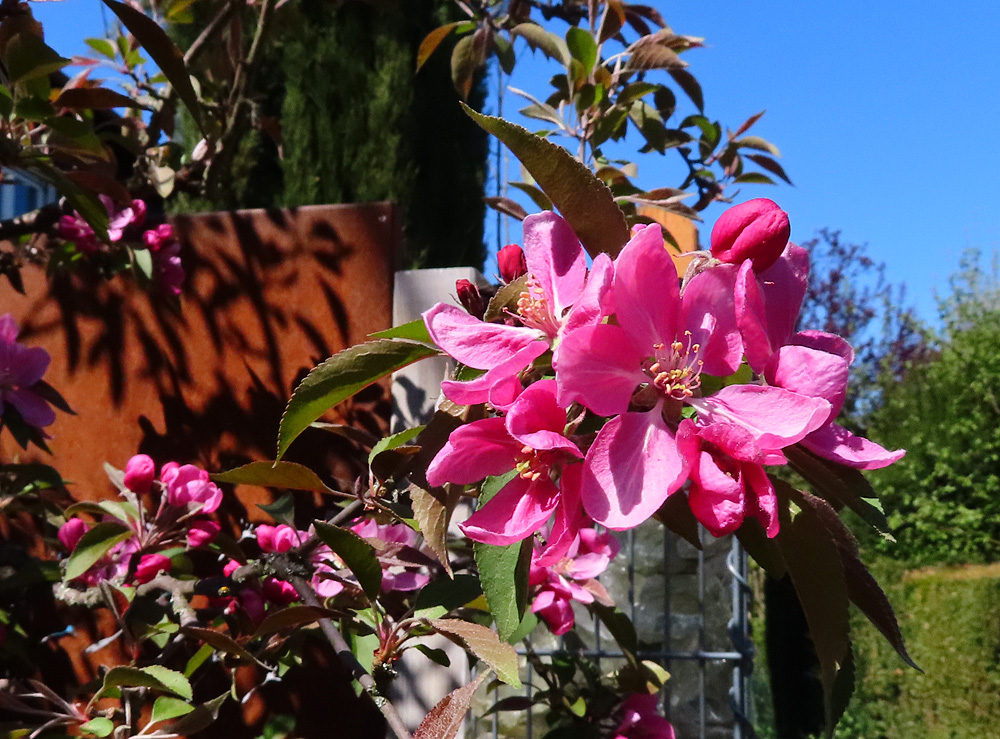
(349, 661)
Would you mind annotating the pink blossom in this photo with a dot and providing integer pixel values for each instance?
(530, 439)
(279, 592)
(810, 363)
(166, 251)
(71, 532)
(558, 298)
(140, 471)
(660, 345)
(512, 263)
(570, 578)
(150, 565)
(21, 368)
(202, 532)
(76, 229)
(641, 719)
(392, 541)
(756, 230)
(280, 538)
(187, 485)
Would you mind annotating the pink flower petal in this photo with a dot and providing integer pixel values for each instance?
(600, 367)
(776, 417)
(644, 269)
(536, 419)
(824, 342)
(472, 342)
(8, 329)
(33, 408)
(837, 444)
(555, 259)
(592, 306)
(810, 372)
(717, 499)
(569, 517)
(632, 467)
(762, 501)
(500, 385)
(711, 293)
(515, 513)
(472, 452)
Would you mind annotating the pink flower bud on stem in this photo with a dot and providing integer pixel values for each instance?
(512, 263)
(757, 229)
(471, 300)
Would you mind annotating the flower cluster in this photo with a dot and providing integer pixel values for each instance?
(144, 546)
(124, 224)
(21, 371)
(696, 386)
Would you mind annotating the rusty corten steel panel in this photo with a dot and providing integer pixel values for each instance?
(268, 295)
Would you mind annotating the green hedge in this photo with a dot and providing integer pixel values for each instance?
(951, 620)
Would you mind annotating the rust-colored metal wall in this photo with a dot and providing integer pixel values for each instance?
(269, 294)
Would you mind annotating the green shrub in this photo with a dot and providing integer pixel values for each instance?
(951, 620)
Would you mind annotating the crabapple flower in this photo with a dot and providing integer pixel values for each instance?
(660, 345)
(279, 592)
(571, 578)
(280, 538)
(140, 471)
(21, 367)
(186, 485)
(392, 541)
(811, 363)
(200, 533)
(530, 440)
(512, 263)
(642, 720)
(756, 230)
(559, 296)
(71, 532)
(150, 565)
(166, 252)
(76, 229)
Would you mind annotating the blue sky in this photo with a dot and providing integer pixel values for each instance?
(886, 120)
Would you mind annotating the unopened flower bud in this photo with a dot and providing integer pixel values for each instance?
(150, 566)
(71, 532)
(471, 300)
(757, 229)
(512, 263)
(278, 538)
(202, 532)
(140, 471)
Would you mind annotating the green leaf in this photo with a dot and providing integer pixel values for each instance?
(503, 569)
(201, 717)
(28, 57)
(484, 644)
(635, 91)
(541, 40)
(143, 259)
(464, 60)
(415, 330)
(438, 656)
(219, 641)
(357, 554)
(394, 441)
(584, 201)
(99, 726)
(6, 102)
(165, 708)
(756, 142)
(620, 626)
(154, 676)
(505, 54)
(25, 478)
(340, 377)
(443, 595)
(538, 197)
(447, 717)
(33, 108)
(282, 510)
(102, 46)
(582, 47)
(289, 475)
(163, 51)
(528, 624)
(95, 544)
(753, 178)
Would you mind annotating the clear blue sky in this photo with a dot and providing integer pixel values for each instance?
(886, 115)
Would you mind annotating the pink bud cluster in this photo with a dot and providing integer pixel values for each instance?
(186, 497)
(694, 389)
(124, 224)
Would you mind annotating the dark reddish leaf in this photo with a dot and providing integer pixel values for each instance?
(94, 98)
(748, 123)
(690, 85)
(448, 716)
(432, 40)
(613, 21)
(652, 56)
(770, 165)
(507, 207)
